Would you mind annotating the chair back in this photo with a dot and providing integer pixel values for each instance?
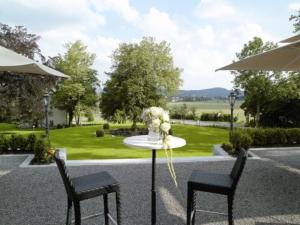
(61, 164)
(238, 167)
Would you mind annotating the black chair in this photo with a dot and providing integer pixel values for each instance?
(224, 184)
(86, 187)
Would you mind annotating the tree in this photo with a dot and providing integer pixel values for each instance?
(79, 92)
(296, 19)
(21, 95)
(256, 84)
(143, 75)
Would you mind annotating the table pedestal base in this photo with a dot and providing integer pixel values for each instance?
(153, 191)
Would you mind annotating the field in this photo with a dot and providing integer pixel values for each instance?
(212, 106)
(81, 142)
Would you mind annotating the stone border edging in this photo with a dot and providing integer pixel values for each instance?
(26, 163)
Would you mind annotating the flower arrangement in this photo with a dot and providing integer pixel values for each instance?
(158, 121)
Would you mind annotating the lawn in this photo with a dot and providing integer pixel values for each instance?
(81, 142)
(213, 106)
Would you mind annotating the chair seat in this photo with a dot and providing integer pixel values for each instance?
(89, 186)
(210, 182)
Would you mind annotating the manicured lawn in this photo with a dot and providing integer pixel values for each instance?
(81, 142)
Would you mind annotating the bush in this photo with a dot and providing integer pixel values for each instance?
(268, 137)
(17, 142)
(3, 143)
(217, 117)
(90, 116)
(228, 148)
(240, 139)
(106, 126)
(31, 139)
(171, 132)
(99, 133)
(42, 145)
(59, 126)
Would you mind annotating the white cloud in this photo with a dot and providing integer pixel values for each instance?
(201, 49)
(214, 9)
(49, 14)
(294, 6)
(158, 24)
(122, 7)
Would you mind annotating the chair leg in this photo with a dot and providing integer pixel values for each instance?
(118, 205)
(69, 212)
(106, 209)
(191, 201)
(230, 209)
(77, 213)
(194, 208)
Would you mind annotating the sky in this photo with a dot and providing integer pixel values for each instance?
(203, 34)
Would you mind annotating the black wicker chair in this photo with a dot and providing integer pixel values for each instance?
(86, 187)
(224, 184)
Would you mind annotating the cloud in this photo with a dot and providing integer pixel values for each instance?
(122, 7)
(158, 24)
(294, 6)
(214, 9)
(201, 49)
(49, 14)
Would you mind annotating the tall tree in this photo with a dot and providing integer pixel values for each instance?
(296, 19)
(80, 91)
(142, 75)
(256, 84)
(21, 95)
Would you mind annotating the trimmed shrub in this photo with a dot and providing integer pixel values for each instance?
(99, 133)
(217, 117)
(268, 137)
(3, 143)
(31, 139)
(42, 145)
(59, 126)
(106, 126)
(17, 142)
(240, 139)
(228, 148)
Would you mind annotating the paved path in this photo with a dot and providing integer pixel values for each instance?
(266, 195)
(207, 123)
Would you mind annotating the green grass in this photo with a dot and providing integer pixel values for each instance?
(81, 142)
(213, 106)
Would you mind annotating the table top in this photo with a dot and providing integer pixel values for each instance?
(141, 141)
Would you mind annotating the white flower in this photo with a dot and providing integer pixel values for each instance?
(165, 127)
(155, 123)
(165, 116)
(156, 112)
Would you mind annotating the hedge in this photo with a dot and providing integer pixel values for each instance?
(17, 143)
(217, 117)
(264, 137)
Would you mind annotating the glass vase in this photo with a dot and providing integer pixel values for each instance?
(153, 135)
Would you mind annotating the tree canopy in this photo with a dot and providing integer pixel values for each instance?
(142, 75)
(78, 92)
(21, 95)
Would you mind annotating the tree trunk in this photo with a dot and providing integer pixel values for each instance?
(257, 116)
(71, 115)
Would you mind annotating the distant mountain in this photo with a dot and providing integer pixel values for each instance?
(217, 92)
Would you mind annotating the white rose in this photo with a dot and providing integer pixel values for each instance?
(156, 112)
(165, 127)
(165, 116)
(155, 123)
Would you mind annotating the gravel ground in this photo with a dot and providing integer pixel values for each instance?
(266, 195)
(289, 157)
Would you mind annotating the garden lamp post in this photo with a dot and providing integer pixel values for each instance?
(46, 103)
(231, 99)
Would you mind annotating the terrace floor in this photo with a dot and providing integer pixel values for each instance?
(268, 193)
